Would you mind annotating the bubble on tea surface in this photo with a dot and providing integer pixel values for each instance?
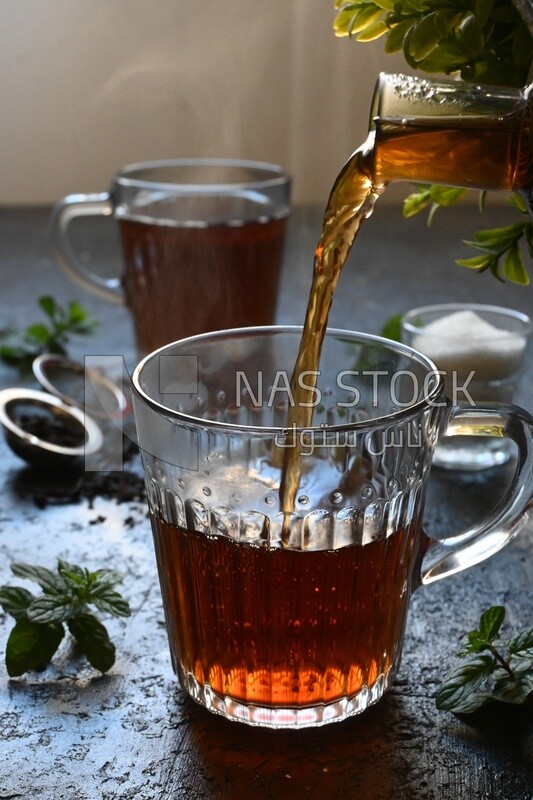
(367, 491)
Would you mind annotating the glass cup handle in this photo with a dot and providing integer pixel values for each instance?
(82, 205)
(514, 511)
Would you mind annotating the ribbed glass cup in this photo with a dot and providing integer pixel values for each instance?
(291, 619)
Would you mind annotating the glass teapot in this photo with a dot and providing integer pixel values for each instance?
(452, 133)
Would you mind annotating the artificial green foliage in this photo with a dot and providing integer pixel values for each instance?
(485, 41)
(481, 41)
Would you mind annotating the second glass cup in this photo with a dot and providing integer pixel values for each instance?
(208, 229)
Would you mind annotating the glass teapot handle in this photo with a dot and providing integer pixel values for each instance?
(514, 511)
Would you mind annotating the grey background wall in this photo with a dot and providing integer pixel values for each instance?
(87, 86)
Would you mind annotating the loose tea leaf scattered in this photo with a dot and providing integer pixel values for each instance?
(504, 674)
(66, 595)
(19, 348)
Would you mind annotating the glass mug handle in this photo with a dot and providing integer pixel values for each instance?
(82, 205)
(513, 512)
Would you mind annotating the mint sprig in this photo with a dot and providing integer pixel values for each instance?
(494, 670)
(19, 348)
(66, 596)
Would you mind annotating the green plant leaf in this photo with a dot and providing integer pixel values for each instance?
(51, 608)
(445, 20)
(476, 262)
(446, 195)
(513, 266)
(394, 38)
(386, 5)
(76, 313)
(37, 333)
(110, 602)
(470, 34)
(364, 18)
(482, 11)
(19, 348)
(522, 641)
(424, 38)
(459, 692)
(490, 622)
(517, 201)
(105, 578)
(513, 690)
(31, 646)
(48, 305)
(50, 582)
(499, 236)
(15, 600)
(415, 202)
(392, 329)
(372, 32)
(93, 640)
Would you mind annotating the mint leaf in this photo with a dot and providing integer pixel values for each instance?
(105, 578)
(20, 348)
(459, 692)
(51, 608)
(31, 646)
(491, 622)
(15, 600)
(514, 691)
(490, 678)
(66, 595)
(73, 569)
(38, 333)
(111, 602)
(522, 642)
(49, 581)
(392, 328)
(48, 305)
(93, 640)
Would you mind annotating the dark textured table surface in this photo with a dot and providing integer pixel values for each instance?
(68, 732)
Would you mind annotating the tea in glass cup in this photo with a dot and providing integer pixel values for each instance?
(295, 619)
(190, 228)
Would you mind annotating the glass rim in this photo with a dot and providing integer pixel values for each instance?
(269, 175)
(270, 430)
(510, 313)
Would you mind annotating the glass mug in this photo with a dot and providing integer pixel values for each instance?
(209, 228)
(296, 620)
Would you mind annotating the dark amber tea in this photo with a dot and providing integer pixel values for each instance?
(180, 280)
(201, 244)
(279, 626)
